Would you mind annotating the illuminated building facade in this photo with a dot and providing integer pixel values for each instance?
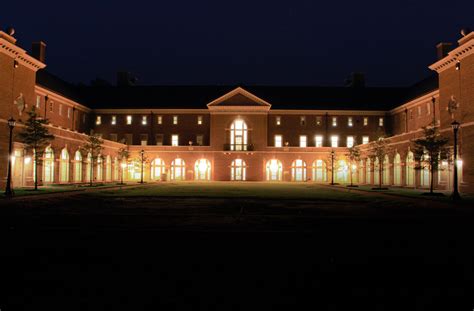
(236, 133)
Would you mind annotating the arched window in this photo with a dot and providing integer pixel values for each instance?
(397, 170)
(274, 170)
(376, 171)
(202, 170)
(410, 169)
(368, 171)
(99, 168)
(238, 170)
(48, 175)
(157, 168)
(342, 172)
(361, 172)
(108, 168)
(386, 170)
(238, 135)
(178, 169)
(425, 170)
(78, 166)
(116, 169)
(319, 171)
(298, 170)
(89, 170)
(64, 166)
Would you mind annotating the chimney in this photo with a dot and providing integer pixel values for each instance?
(356, 79)
(38, 51)
(125, 78)
(442, 49)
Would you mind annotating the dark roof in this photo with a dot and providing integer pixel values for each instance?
(197, 97)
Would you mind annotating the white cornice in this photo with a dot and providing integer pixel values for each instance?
(154, 111)
(215, 103)
(329, 112)
(20, 55)
(465, 49)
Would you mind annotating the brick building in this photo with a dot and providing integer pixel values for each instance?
(253, 133)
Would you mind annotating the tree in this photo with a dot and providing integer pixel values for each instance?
(122, 154)
(430, 149)
(36, 138)
(354, 157)
(92, 145)
(379, 150)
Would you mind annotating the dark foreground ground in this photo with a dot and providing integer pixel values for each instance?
(103, 251)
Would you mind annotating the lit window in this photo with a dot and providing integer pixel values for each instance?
(380, 121)
(318, 120)
(303, 143)
(349, 121)
(278, 141)
(318, 140)
(350, 141)
(334, 121)
(199, 120)
(174, 140)
(98, 120)
(302, 120)
(334, 141)
(114, 120)
(159, 119)
(366, 121)
(175, 120)
(129, 120)
(38, 101)
(60, 109)
(69, 113)
(278, 120)
(144, 120)
(365, 139)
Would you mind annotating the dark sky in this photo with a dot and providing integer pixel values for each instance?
(251, 42)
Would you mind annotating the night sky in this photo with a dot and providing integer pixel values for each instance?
(250, 42)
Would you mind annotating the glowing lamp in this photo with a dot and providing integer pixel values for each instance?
(202, 166)
(27, 160)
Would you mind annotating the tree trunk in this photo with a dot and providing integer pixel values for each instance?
(380, 175)
(431, 178)
(36, 171)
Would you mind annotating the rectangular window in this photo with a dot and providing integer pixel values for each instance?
(428, 108)
(199, 120)
(365, 139)
(113, 137)
(380, 121)
(143, 139)
(318, 141)
(334, 141)
(129, 120)
(159, 139)
(349, 121)
(60, 109)
(302, 120)
(278, 141)
(129, 139)
(319, 120)
(411, 114)
(175, 120)
(68, 112)
(334, 121)
(51, 106)
(113, 120)
(98, 120)
(144, 120)
(303, 141)
(38, 101)
(174, 140)
(199, 140)
(159, 119)
(366, 121)
(277, 120)
(350, 141)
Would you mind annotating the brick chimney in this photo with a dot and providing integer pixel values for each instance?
(38, 51)
(442, 49)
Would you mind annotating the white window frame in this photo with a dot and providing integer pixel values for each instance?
(129, 119)
(334, 141)
(199, 120)
(278, 120)
(144, 120)
(381, 121)
(350, 141)
(366, 121)
(175, 140)
(303, 141)
(334, 121)
(318, 140)
(98, 120)
(113, 121)
(365, 139)
(159, 119)
(350, 122)
(278, 141)
(175, 120)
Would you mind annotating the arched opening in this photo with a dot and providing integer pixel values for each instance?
(202, 170)
(342, 172)
(178, 169)
(376, 171)
(397, 170)
(410, 169)
(238, 170)
(368, 171)
(238, 135)
(78, 166)
(319, 171)
(424, 171)
(99, 168)
(89, 172)
(386, 170)
(48, 164)
(64, 166)
(361, 172)
(116, 169)
(108, 168)
(274, 170)
(158, 168)
(298, 170)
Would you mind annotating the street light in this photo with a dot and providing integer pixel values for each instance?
(8, 189)
(142, 152)
(455, 195)
(332, 167)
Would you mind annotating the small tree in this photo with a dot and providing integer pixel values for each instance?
(431, 149)
(379, 150)
(122, 154)
(92, 145)
(354, 157)
(36, 138)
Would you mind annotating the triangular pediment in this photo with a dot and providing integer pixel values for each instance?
(239, 97)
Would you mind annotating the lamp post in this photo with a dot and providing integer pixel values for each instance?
(455, 195)
(332, 167)
(8, 188)
(142, 152)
